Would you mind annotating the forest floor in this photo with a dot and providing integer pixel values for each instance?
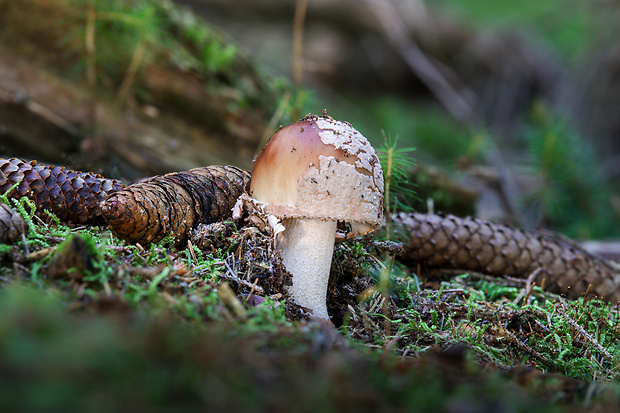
(91, 323)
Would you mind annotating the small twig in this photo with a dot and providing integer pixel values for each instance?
(515, 280)
(37, 255)
(297, 65)
(298, 42)
(445, 291)
(25, 244)
(271, 126)
(387, 347)
(89, 44)
(240, 247)
(232, 271)
(192, 254)
(252, 290)
(39, 110)
(132, 70)
(460, 103)
(524, 347)
(56, 240)
(529, 286)
(233, 277)
(119, 248)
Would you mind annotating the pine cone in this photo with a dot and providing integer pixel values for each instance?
(174, 203)
(12, 225)
(73, 196)
(477, 245)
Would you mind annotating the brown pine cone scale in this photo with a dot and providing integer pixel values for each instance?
(478, 245)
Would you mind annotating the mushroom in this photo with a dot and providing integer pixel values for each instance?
(324, 180)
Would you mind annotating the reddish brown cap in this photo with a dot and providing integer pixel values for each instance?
(320, 168)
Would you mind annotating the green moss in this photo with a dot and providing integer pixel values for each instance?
(53, 361)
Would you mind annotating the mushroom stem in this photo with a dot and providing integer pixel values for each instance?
(307, 247)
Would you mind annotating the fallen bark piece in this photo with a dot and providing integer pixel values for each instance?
(477, 245)
(72, 196)
(12, 225)
(173, 204)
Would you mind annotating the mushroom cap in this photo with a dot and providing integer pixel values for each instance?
(321, 168)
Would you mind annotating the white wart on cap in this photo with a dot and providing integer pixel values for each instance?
(313, 174)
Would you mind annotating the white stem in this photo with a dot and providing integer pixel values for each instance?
(307, 246)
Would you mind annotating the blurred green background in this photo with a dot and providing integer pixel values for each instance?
(513, 101)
